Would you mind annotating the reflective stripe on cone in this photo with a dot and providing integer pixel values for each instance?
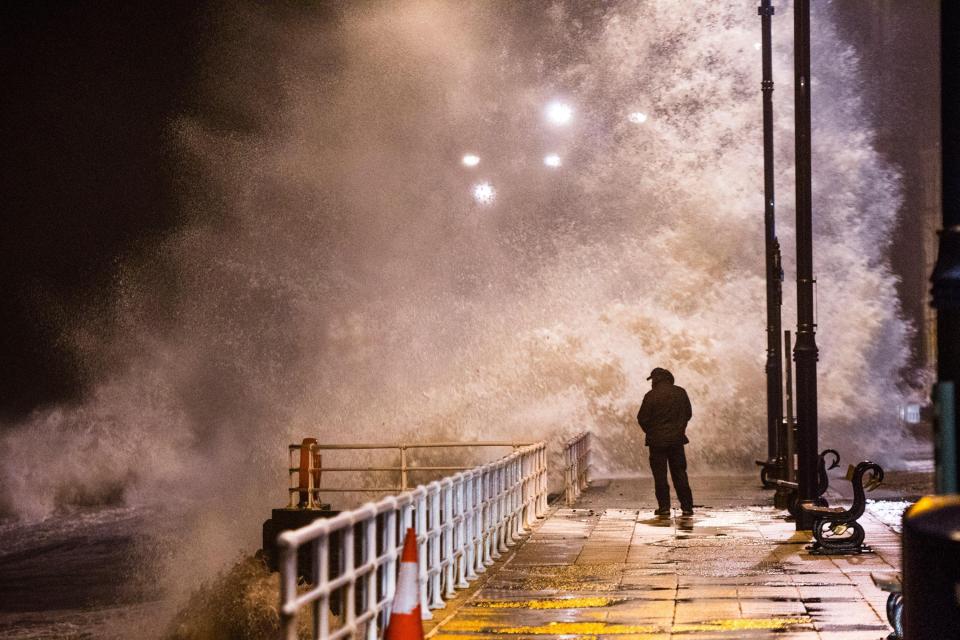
(405, 622)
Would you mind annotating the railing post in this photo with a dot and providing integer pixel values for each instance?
(498, 525)
(525, 489)
(575, 453)
(288, 589)
(389, 575)
(433, 539)
(541, 455)
(349, 564)
(584, 462)
(462, 545)
(575, 475)
(535, 484)
(474, 562)
(448, 527)
(319, 629)
(544, 489)
(321, 571)
(507, 512)
(522, 494)
(543, 481)
(576, 466)
(512, 479)
(498, 546)
(421, 531)
(370, 580)
(293, 451)
(486, 515)
(409, 511)
(403, 468)
(311, 503)
(532, 480)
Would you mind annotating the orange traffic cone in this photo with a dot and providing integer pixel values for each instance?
(405, 622)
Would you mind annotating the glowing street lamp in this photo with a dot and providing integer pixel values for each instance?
(470, 160)
(559, 113)
(484, 193)
(637, 117)
(552, 160)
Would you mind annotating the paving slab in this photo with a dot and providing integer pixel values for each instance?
(736, 570)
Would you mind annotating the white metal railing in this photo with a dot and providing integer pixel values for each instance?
(576, 455)
(306, 470)
(462, 522)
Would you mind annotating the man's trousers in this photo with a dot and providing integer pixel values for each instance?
(674, 457)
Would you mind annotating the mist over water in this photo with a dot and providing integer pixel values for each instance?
(335, 278)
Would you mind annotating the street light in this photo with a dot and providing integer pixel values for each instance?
(805, 352)
(470, 160)
(559, 113)
(484, 193)
(552, 160)
(778, 461)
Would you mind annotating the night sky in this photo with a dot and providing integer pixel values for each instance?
(89, 90)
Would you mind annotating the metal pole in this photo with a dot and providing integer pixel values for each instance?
(311, 503)
(791, 444)
(946, 273)
(288, 589)
(781, 498)
(805, 352)
(775, 448)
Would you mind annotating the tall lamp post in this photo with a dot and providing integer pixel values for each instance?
(805, 352)
(776, 459)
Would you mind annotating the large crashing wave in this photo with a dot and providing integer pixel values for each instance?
(334, 277)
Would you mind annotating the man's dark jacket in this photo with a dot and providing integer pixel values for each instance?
(664, 414)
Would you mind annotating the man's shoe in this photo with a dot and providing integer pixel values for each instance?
(662, 512)
(687, 512)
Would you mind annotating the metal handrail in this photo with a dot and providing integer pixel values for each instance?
(422, 445)
(462, 522)
(308, 496)
(576, 452)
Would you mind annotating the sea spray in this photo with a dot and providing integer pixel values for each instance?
(240, 603)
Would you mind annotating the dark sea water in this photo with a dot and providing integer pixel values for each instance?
(86, 573)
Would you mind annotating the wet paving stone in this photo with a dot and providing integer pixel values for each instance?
(734, 571)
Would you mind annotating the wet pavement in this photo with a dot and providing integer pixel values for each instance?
(737, 569)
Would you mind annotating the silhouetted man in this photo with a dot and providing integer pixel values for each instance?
(663, 416)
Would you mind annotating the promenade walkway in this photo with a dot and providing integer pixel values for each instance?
(608, 568)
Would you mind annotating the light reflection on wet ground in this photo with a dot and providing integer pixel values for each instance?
(732, 571)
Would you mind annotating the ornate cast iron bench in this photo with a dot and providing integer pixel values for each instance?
(835, 529)
(891, 583)
(767, 468)
(823, 483)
